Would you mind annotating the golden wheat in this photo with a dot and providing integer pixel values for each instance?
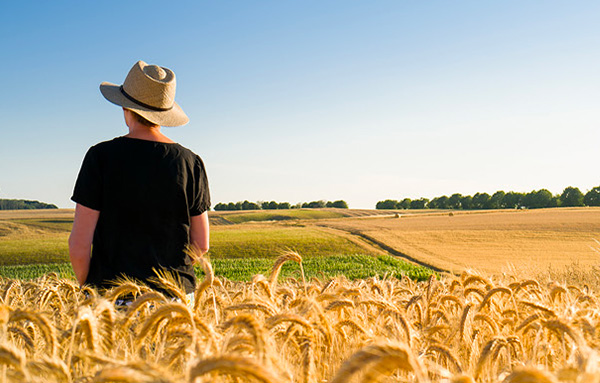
(471, 328)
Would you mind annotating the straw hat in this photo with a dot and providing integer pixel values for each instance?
(148, 90)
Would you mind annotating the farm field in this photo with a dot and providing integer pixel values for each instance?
(265, 317)
(489, 241)
(33, 243)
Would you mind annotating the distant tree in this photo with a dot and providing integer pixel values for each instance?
(283, 205)
(592, 198)
(420, 203)
(512, 200)
(220, 206)
(544, 198)
(340, 204)
(443, 202)
(387, 204)
(555, 201)
(481, 201)
(246, 205)
(466, 202)
(529, 200)
(231, 206)
(454, 201)
(272, 205)
(329, 204)
(571, 196)
(22, 204)
(497, 199)
(315, 204)
(433, 204)
(537, 199)
(438, 203)
(404, 204)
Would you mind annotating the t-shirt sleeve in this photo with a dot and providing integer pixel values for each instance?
(201, 198)
(88, 187)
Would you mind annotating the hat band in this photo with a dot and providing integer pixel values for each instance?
(141, 103)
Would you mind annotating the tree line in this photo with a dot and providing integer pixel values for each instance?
(571, 196)
(273, 205)
(21, 204)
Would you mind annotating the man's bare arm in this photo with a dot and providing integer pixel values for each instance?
(80, 240)
(199, 233)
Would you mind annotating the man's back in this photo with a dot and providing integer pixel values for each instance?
(146, 192)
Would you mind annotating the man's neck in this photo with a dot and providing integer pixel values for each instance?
(147, 133)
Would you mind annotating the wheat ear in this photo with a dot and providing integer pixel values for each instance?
(232, 365)
(46, 328)
(51, 366)
(253, 327)
(529, 375)
(380, 358)
(443, 350)
(209, 275)
(164, 313)
(286, 256)
(170, 282)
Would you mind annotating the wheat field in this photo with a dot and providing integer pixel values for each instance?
(454, 329)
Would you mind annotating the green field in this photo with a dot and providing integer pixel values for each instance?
(26, 246)
(241, 247)
(248, 241)
(25, 251)
(355, 266)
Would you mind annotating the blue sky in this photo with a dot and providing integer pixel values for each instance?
(304, 100)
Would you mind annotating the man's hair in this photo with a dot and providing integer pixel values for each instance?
(142, 120)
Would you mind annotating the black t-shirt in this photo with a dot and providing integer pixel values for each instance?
(146, 192)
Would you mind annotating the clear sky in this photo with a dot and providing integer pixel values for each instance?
(306, 100)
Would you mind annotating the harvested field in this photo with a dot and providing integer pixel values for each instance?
(38, 213)
(490, 241)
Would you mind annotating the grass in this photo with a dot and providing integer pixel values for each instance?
(266, 242)
(34, 271)
(32, 246)
(355, 266)
(25, 251)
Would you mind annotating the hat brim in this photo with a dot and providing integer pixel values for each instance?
(172, 117)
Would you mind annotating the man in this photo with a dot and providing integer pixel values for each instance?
(142, 199)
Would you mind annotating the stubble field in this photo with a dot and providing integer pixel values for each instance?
(488, 241)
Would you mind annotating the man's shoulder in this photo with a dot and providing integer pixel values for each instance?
(106, 145)
(189, 153)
